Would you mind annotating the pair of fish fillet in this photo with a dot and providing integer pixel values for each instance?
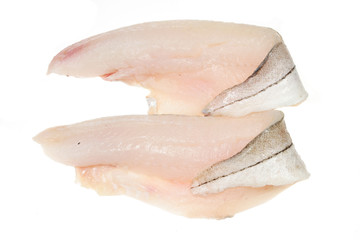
(212, 145)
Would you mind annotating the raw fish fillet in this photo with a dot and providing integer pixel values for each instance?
(155, 158)
(191, 67)
(236, 157)
(183, 145)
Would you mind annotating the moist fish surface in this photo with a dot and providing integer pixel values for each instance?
(186, 64)
(170, 146)
(236, 157)
(155, 158)
(173, 196)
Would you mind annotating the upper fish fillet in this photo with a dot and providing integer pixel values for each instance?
(185, 63)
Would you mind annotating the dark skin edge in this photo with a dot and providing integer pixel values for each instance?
(278, 135)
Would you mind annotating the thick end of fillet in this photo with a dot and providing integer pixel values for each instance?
(269, 159)
(275, 83)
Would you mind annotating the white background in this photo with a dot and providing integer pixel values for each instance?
(39, 198)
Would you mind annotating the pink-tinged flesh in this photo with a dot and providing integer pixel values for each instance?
(185, 64)
(171, 195)
(172, 147)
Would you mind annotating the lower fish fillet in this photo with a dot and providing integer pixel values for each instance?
(156, 158)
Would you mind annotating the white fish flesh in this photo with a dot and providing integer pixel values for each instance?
(236, 157)
(187, 64)
(161, 152)
(171, 195)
